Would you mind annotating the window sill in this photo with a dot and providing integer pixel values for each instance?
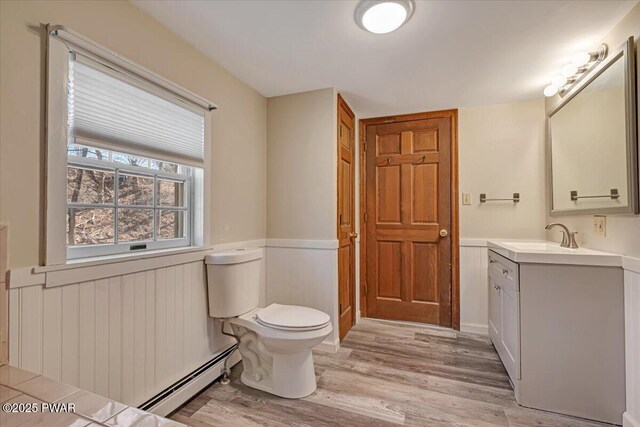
(89, 269)
(113, 259)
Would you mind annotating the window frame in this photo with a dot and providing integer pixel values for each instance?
(60, 43)
(117, 168)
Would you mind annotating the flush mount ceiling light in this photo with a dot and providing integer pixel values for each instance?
(573, 72)
(383, 16)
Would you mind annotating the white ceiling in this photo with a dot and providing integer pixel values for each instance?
(450, 54)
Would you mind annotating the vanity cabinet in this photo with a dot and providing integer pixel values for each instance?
(559, 331)
(504, 312)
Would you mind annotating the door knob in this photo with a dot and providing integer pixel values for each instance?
(444, 233)
(353, 235)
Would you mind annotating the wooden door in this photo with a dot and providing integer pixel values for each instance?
(408, 218)
(346, 218)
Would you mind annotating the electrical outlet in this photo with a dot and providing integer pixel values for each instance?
(466, 198)
(600, 225)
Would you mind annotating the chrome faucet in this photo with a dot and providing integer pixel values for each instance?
(568, 237)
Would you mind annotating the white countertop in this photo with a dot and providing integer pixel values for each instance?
(543, 252)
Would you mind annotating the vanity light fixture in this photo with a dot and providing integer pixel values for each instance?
(571, 73)
(383, 16)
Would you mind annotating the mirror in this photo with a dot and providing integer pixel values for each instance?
(593, 143)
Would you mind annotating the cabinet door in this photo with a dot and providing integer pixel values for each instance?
(510, 331)
(495, 312)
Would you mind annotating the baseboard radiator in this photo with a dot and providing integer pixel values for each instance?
(174, 396)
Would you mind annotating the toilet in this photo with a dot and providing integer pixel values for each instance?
(275, 342)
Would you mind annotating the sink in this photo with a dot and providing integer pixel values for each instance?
(538, 247)
(543, 252)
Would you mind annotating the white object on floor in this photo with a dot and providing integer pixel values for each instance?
(275, 342)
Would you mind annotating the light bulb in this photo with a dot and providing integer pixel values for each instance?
(550, 90)
(559, 80)
(580, 59)
(384, 17)
(569, 70)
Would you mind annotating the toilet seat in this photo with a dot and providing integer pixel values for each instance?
(292, 318)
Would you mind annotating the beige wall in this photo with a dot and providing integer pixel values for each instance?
(302, 165)
(501, 152)
(238, 184)
(623, 231)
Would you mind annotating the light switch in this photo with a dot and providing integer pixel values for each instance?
(466, 198)
(600, 225)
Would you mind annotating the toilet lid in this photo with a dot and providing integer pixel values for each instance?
(292, 317)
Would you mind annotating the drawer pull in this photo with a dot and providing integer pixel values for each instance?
(505, 272)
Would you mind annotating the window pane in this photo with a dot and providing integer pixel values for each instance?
(89, 226)
(135, 190)
(135, 224)
(87, 152)
(129, 159)
(89, 186)
(170, 193)
(164, 166)
(171, 224)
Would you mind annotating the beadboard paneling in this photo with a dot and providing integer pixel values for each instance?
(473, 289)
(125, 337)
(306, 277)
(631, 417)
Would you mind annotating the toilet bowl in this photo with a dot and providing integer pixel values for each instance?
(275, 342)
(275, 346)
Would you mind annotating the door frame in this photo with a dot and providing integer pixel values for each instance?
(455, 226)
(342, 103)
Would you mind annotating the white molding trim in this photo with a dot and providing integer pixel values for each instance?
(21, 277)
(476, 243)
(631, 264)
(629, 421)
(328, 346)
(302, 244)
(258, 243)
(60, 275)
(474, 328)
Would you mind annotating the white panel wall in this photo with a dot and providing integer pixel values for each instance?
(126, 337)
(307, 277)
(631, 417)
(474, 305)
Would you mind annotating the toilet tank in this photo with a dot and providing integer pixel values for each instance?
(233, 281)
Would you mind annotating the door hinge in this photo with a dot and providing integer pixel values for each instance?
(366, 289)
(365, 147)
(366, 217)
(340, 131)
(339, 308)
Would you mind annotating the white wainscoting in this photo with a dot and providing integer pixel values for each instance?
(127, 336)
(474, 305)
(305, 272)
(631, 417)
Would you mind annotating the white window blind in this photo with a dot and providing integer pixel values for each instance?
(104, 106)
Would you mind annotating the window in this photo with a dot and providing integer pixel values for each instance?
(135, 154)
(121, 202)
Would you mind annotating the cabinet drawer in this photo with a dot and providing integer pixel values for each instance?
(504, 271)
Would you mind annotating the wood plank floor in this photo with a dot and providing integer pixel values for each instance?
(385, 373)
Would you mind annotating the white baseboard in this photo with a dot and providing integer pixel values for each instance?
(474, 328)
(629, 421)
(188, 391)
(328, 346)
